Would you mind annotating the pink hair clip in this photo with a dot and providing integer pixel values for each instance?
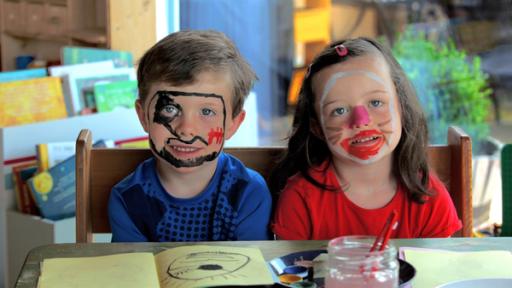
(341, 50)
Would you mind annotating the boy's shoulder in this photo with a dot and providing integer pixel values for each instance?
(145, 171)
(239, 182)
(234, 165)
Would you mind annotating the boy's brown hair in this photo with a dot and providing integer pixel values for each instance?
(179, 57)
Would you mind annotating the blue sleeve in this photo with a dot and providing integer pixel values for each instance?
(254, 210)
(123, 228)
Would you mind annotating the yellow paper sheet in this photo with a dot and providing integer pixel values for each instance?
(435, 267)
(120, 270)
(206, 266)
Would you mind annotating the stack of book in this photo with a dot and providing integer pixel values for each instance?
(90, 80)
(46, 187)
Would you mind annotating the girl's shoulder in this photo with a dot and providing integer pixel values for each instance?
(435, 184)
(438, 190)
(322, 173)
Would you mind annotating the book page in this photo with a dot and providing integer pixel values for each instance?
(119, 270)
(435, 267)
(207, 266)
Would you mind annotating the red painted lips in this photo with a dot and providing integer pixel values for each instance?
(364, 144)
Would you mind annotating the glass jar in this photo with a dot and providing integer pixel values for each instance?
(351, 264)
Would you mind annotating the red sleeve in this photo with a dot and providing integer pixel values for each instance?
(442, 219)
(291, 217)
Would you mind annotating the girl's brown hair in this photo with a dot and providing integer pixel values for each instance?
(305, 150)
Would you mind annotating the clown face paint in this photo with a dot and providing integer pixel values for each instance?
(187, 128)
(358, 109)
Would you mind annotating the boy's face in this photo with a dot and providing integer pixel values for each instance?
(358, 109)
(188, 124)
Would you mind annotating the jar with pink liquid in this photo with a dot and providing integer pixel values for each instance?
(351, 264)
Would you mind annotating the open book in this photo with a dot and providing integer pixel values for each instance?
(185, 266)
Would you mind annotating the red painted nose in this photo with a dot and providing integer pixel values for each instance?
(359, 117)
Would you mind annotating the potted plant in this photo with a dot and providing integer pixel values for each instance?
(451, 87)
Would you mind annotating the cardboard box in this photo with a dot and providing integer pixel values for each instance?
(25, 232)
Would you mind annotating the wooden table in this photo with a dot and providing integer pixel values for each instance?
(270, 249)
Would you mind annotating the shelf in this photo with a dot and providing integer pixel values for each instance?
(30, 37)
(91, 36)
(42, 27)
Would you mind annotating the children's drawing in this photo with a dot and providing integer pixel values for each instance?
(203, 265)
(210, 266)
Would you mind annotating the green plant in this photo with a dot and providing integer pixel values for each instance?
(451, 87)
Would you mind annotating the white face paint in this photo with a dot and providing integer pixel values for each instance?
(358, 109)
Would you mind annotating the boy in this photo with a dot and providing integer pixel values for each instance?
(192, 86)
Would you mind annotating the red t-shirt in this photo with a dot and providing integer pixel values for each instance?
(305, 211)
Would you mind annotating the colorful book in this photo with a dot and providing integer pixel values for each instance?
(184, 266)
(79, 87)
(77, 55)
(23, 74)
(63, 70)
(33, 100)
(60, 71)
(54, 189)
(141, 143)
(109, 96)
(24, 200)
(50, 154)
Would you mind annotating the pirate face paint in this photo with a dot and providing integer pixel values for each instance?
(188, 127)
(188, 124)
(358, 108)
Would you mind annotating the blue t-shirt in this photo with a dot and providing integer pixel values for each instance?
(235, 205)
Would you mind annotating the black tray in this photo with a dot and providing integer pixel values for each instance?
(406, 272)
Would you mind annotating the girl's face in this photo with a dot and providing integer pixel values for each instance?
(358, 109)
(188, 124)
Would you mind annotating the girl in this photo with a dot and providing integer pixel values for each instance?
(358, 152)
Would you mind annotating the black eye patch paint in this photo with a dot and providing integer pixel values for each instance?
(161, 103)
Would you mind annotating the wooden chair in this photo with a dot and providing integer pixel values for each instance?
(98, 169)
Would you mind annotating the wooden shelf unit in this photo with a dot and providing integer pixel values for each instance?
(41, 27)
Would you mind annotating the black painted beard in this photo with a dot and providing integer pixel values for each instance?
(178, 163)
